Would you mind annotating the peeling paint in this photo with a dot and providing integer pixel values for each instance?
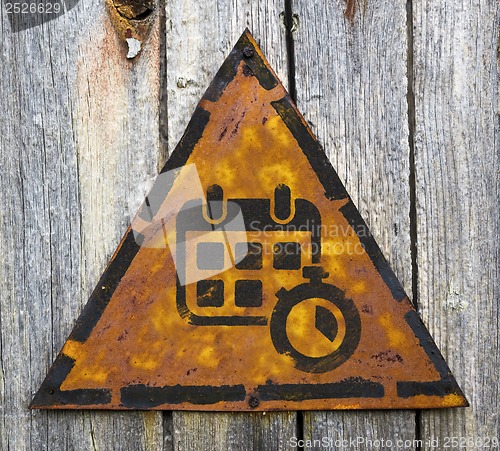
(134, 47)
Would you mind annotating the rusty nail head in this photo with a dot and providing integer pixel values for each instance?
(248, 52)
(253, 402)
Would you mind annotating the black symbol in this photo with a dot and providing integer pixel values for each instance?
(248, 293)
(326, 322)
(316, 289)
(286, 256)
(210, 293)
(281, 214)
(248, 256)
(215, 197)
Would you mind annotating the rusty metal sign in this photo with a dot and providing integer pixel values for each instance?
(248, 280)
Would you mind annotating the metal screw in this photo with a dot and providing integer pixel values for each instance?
(253, 402)
(248, 52)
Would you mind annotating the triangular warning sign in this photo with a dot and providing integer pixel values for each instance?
(248, 280)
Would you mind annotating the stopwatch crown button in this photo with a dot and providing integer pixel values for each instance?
(314, 273)
(281, 292)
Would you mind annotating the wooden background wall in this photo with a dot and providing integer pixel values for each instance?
(404, 98)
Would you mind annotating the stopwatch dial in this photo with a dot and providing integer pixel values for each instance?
(315, 327)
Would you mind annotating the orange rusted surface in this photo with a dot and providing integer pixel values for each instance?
(320, 324)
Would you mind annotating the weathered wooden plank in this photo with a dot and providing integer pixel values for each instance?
(79, 129)
(69, 156)
(234, 431)
(351, 86)
(199, 36)
(456, 158)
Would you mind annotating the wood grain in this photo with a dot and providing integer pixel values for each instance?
(78, 131)
(198, 38)
(83, 130)
(456, 159)
(351, 86)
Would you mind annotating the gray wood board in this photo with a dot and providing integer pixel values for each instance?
(78, 132)
(351, 86)
(457, 190)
